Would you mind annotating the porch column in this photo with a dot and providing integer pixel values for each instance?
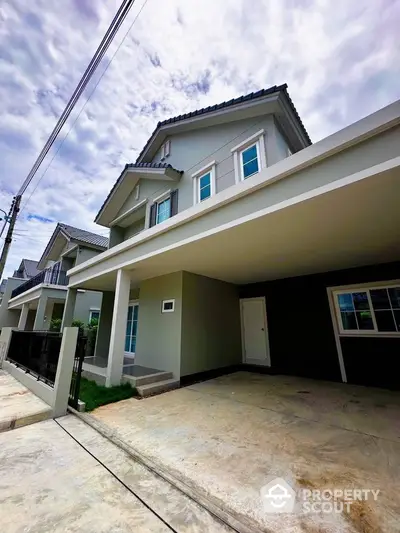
(23, 317)
(40, 313)
(69, 308)
(104, 328)
(118, 329)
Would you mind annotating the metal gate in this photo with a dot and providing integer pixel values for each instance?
(80, 353)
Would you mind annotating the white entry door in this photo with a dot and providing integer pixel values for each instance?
(254, 331)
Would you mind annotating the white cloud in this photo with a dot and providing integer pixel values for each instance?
(340, 59)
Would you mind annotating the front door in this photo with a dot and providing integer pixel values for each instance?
(254, 331)
(131, 330)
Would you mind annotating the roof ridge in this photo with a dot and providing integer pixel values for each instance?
(240, 99)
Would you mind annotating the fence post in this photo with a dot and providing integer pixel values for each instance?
(5, 339)
(64, 371)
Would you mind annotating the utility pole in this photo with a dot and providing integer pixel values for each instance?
(94, 63)
(7, 242)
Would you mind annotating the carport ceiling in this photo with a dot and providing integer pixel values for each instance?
(355, 225)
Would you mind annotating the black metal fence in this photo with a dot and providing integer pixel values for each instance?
(36, 352)
(80, 353)
(50, 275)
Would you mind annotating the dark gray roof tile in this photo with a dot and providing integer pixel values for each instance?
(84, 236)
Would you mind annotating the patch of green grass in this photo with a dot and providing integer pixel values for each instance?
(96, 395)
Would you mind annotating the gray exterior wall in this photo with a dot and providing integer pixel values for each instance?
(359, 157)
(84, 254)
(281, 144)
(30, 319)
(9, 318)
(191, 151)
(159, 334)
(135, 228)
(210, 324)
(84, 302)
(116, 236)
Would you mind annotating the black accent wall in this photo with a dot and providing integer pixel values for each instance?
(300, 329)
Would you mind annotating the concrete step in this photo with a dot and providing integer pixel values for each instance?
(157, 387)
(145, 380)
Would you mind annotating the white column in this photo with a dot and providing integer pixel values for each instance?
(65, 365)
(23, 317)
(5, 339)
(40, 313)
(118, 329)
(69, 308)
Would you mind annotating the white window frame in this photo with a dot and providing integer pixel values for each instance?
(130, 304)
(210, 168)
(258, 139)
(93, 310)
(159, 200)
(163, 310)
(165, 149)
(365, 287)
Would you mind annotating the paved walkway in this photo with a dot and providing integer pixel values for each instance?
(226, 436)
(61, 475)
(18, 405)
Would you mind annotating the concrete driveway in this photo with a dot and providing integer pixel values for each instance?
(58, 476)
(226, 437)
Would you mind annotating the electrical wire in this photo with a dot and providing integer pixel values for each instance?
(208, 156)
(99, 54)
(83, 107)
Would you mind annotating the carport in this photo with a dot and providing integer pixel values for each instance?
(224, 438)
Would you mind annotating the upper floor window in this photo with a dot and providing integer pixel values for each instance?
(163, 210)
(165, 149)
(373, 310)
(249, 156)
(250, 161)
(163, 207)
(204, 183)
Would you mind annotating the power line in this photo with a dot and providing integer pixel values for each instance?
(99, 54)
(82, 108)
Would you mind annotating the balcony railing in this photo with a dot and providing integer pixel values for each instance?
(50, 275)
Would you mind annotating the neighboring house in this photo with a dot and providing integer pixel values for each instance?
(3, 286)
(233, 240)
(33, 303)
(26, 270)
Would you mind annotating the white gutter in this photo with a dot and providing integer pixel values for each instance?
(378, 122)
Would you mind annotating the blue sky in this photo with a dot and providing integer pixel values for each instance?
(341, 60)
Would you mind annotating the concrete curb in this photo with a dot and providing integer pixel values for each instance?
(212, 505)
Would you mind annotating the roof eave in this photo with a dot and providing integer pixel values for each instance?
(161, 132)
(41, 263)
(167, 174)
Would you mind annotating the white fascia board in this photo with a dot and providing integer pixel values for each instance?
(72, 249)
(378, 122)
(33, 294)
(318, 191)
(129, 212)
(308, 195)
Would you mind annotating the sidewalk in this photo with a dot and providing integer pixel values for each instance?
(19, 406)
(61, 475)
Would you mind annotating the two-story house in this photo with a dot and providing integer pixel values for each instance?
(234, 240)
(34, 300)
